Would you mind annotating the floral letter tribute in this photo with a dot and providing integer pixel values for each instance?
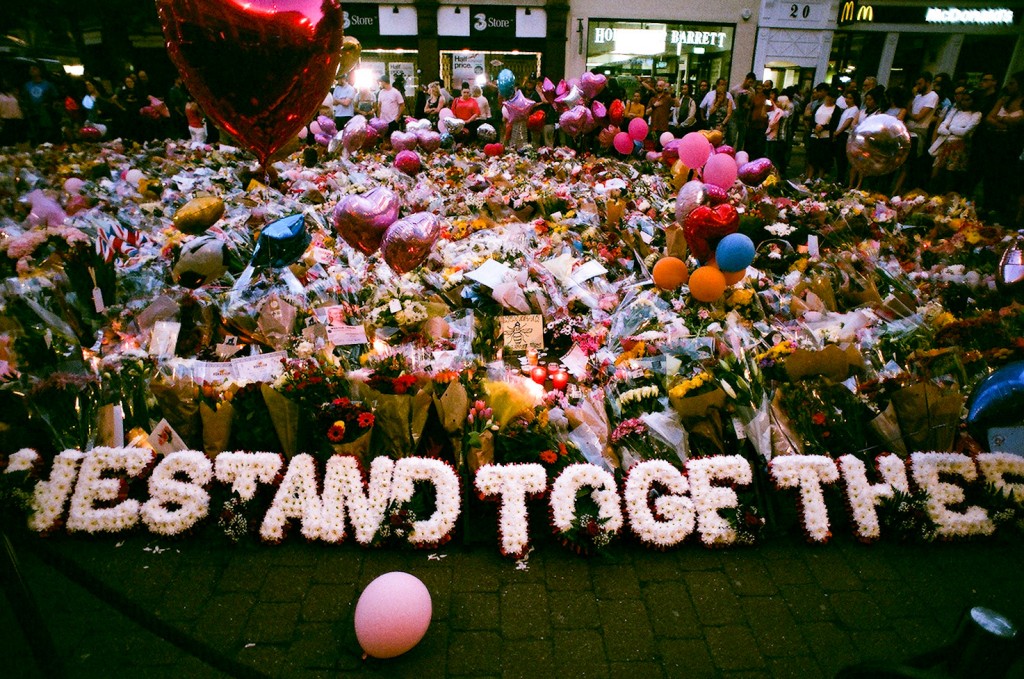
(663, 504)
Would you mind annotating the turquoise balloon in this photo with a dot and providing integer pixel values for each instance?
(281, 243)
(734, 253)
(506, 83)
(447, 141)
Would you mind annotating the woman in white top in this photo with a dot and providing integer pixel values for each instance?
(951, 144)
(847, 121)
(485, 106)
(874, 100)
(819, 153)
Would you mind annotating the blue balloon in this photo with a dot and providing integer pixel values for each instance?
(506, 83)
(638, 149)
(997, 401)
(281, 243)
(734, 253)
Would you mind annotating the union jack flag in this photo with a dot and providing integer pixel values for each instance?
(114, 239)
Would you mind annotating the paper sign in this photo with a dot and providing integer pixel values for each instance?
(492, 273)
(575, 362)
(338, 314)
(213, 372)
(812, 245)
(395, 306)
(589, 270)
(259, 368)
(522, 332)
(346, 335)
(164, 338)
(165, 440)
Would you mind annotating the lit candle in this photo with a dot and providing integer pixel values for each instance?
(531, 356)
(553, 368)
(539, 374)
(559, 380)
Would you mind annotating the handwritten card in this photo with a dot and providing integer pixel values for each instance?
(492, 274)
(522, 332)
(259, 368)
(346, 335)
(165, 440)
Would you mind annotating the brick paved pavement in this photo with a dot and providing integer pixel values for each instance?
(784, 609)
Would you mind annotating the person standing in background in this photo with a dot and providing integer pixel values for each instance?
(687, 112)
(390, 105)
(12, 121)
(847, 121)
(41, 107)
(919, 121)
(757, 124)
(485, 106)
(344, 101)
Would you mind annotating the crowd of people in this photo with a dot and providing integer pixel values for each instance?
(966, 137)
(53, 108)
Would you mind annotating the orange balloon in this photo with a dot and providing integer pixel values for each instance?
(707, 284)
(714, 136)
(734, 277)
(669, 273)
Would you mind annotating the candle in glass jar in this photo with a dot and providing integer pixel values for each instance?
(559, 380)
(553, 368)
(531, 356)
(539, 374)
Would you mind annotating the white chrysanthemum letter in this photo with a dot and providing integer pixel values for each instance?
(434, 530)
(676, 511)
(511, 485)
(92, 488)
(245, 471)
(807, 472)
(709, 499)
(863, 497)
(569, 482)
(191, 498)
(50, 497)
(344, 493)
(925, 468)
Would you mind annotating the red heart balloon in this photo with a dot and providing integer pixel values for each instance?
(705, 226)
(494, 149)
(259, 68)
(615, 112)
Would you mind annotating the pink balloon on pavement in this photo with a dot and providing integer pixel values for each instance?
(392, 615)
(720, 170)
(638, 129)
(694, 150)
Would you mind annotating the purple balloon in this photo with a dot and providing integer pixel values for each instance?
(561, 88)
(547, 90)
(725, 149)
(408, 162)
(327, 126)
(408, 241)
(715, 195)
(403, 141)
(571, 98)
(372, 137)
(670, 152)
(599, 110)
(755, 172)
(429, 140)
(379, 125)
(518, 107)
(354, 134)
(576, 120)
(363, 219)
(592, 84)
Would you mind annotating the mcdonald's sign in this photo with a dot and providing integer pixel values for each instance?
(851, 11)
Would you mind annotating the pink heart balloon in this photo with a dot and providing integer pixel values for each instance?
(403, 141)
(725, 149)
(379, 125)
(561, 88)
(756, 171)
(428, 140)
(599, 110)
(408, 241)
(372, 137)
(592, 84)
(362, 220)
(354, 134)
(408, 162)
(574, 121)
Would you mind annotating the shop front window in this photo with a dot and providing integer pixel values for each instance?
(679, 52)
(477, 68)
(400, 64)
(855, 56)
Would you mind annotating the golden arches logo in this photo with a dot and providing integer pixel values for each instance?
(865, 13)
(849, 9)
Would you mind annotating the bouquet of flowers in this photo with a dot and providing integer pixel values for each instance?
(400, 407)
(346, 426)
